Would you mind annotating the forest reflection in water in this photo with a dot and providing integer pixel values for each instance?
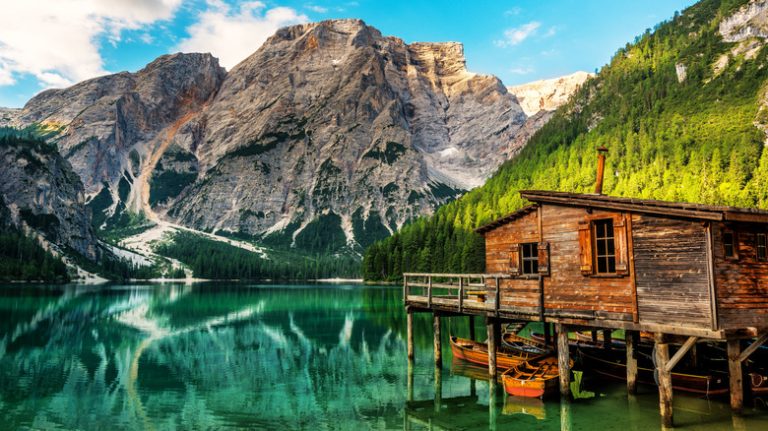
(226, 356)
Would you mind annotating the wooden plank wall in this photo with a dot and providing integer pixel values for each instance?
(518, 292)
(567, 288)
(741, 283)
(671, 271)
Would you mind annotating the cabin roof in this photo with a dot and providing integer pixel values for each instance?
(506, 219)
(649, 206)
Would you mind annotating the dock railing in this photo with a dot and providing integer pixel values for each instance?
(459, 291)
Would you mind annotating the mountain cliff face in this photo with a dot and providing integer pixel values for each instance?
(41, 194)
(330, 133)
(547, 94)
(327, 122)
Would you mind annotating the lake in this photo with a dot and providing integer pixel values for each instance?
(237, 356)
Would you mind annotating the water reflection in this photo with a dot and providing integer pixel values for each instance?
(269, 357)
(196, 357)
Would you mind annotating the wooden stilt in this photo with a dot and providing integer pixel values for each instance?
(547, 334)
(594, 336)
(629, 338)
(438, 340)
(438, 388)
(409, 383)
(471, 327)
(491, 342)
(735, 376)
(563, 360)
(607, 339)
(566, 420)
(665, 380)
(409, 330)
(492, 401)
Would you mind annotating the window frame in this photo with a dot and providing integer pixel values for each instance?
(533, 248)
(596, 256)
(734, 255)
(763, 258)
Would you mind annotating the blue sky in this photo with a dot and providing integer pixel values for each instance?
(54, 43)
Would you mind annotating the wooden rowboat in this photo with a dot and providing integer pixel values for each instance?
(613, 364)
(516, 343)
(535, 379)
(477, 353)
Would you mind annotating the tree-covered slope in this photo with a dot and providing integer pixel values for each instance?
(681, 110)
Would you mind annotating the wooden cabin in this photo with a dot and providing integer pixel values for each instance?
(655, 266)
(684, 272)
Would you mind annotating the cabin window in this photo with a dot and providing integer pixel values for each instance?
(605, 247)
(762, 247)
(530, 258)
(729, 244)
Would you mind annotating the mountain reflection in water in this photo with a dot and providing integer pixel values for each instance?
(226, 356)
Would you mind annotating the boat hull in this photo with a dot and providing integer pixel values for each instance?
(615, 367)
(477, 353)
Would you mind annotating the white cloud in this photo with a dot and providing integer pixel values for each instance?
(318, 9)
(58, 41)
(523, 70)
(232, 35)
(551, 32)
(515, 36)
(513, 11)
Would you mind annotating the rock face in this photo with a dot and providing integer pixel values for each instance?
(9, 117)
(330, 130)
(751, 20)
(40, 192)
(548, 94)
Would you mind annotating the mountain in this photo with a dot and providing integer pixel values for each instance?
(547, 94)
(682, 110)
(41, 194)
(329, 136)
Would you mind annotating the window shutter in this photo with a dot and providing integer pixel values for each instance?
(585, 247)
(544, 258)
(620, 239)
(514, 259)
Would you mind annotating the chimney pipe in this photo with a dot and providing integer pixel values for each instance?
(600, 169)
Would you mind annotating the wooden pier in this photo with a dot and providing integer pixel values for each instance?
(686, 273)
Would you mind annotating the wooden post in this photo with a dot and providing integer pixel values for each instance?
(492, 401)
(665, 380)
(594, 336)
(607, 339)
(438, 341)
(409, 383)
(471, 327)
(735, 377)
(563, 360)
(547, 334)
(438, 388)
(491, 343)
(409, 330)
(629, 338)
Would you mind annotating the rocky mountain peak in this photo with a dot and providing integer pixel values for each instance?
(548, 94)
(329, 129)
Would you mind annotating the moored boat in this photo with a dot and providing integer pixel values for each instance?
(477, 353)
(534, 379)
(613, 364)
(516, 343)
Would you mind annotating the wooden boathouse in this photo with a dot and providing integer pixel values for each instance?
(684, 272)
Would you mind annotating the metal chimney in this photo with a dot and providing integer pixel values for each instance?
(600, 169)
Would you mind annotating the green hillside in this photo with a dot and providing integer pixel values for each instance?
(697, 140)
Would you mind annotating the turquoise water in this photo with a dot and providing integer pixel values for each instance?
(314, 357)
